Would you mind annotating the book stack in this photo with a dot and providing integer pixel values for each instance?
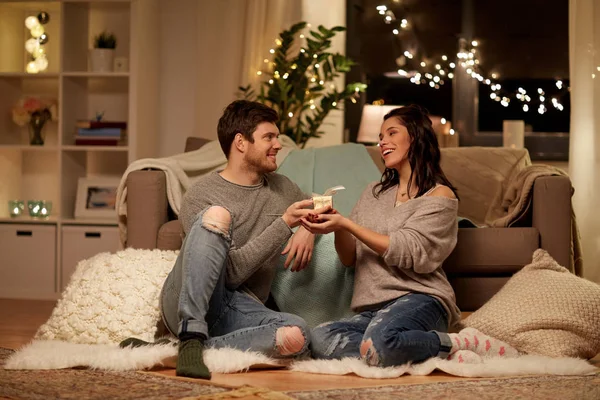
(101, 133)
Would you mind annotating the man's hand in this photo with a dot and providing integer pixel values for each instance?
(299, 210)
(324, 223)
(300, 248)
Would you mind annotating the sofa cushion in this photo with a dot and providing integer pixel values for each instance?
(544, 309)
(170, 236)
(489, 251)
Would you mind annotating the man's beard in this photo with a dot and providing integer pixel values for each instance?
(258, 162)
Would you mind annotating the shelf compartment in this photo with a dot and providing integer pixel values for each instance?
(84, 20)
(28, 176)
(85, 96)
(79, 164)
(16, 86)
(13, 34)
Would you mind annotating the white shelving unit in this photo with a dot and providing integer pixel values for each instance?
(51, 172)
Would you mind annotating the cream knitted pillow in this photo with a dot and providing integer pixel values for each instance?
(111, 297)
(544, 309)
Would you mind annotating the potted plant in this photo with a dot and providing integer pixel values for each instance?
(103, 53)
(298, 82)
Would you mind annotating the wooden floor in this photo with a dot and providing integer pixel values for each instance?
(19, 320)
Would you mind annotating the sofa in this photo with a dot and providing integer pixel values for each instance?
(484, 258)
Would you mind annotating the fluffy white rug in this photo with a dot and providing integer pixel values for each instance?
(41, 354)
(52, 354)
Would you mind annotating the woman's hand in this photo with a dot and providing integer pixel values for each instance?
(324, 223)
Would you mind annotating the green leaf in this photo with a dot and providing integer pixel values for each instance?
(316, 35)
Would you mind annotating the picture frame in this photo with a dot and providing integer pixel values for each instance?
(97, 197)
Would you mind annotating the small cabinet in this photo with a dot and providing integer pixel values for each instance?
(82, 242)
(28, 261)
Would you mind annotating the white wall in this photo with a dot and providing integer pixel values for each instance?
(178, 64)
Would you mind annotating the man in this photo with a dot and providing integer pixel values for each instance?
(236, 222)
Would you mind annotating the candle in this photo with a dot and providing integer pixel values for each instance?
(39, 208)
(16, 207)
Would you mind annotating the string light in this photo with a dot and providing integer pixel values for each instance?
(35, 45)
(466, 58)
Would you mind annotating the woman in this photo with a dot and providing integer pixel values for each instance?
(397, 236)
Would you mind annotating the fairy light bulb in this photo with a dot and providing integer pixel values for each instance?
(32, 68)
(31, 22)
(41, 63)
(32, 45)
(39, 52)
(37, 31)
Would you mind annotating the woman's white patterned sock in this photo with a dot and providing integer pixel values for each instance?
(486, 346)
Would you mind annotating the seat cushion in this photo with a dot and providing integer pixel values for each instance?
(492, 251)
(170, 236)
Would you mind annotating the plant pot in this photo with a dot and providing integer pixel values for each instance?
(101, 60)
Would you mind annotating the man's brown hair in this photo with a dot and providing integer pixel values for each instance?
(242, 116)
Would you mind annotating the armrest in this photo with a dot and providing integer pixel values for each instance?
(147, 207)
(551, 215)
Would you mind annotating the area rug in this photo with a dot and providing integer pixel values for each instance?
(94, 384)
(543, 387)
(90, 384)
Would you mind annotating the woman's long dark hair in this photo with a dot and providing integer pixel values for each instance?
(423, 153)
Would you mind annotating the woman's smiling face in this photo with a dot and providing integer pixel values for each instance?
(394, 142)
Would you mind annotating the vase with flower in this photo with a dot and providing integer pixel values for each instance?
(35, 112)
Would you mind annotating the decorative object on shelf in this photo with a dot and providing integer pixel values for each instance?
(299, 83)
(97, 197)
(35, 45)
(513, 134)
(121, 64)
(103, 54)
(16, 208)
(39, 208)
(35, 112)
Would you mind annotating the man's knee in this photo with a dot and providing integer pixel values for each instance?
(290, 340)
(217, 219)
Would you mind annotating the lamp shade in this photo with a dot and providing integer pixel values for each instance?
(370, 122)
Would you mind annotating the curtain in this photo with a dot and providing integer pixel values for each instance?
(584, 145)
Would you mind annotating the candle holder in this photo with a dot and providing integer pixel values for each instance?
(16, 208)
(39, 208)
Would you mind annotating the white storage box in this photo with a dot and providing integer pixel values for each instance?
(82, 242)
(28, 261)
